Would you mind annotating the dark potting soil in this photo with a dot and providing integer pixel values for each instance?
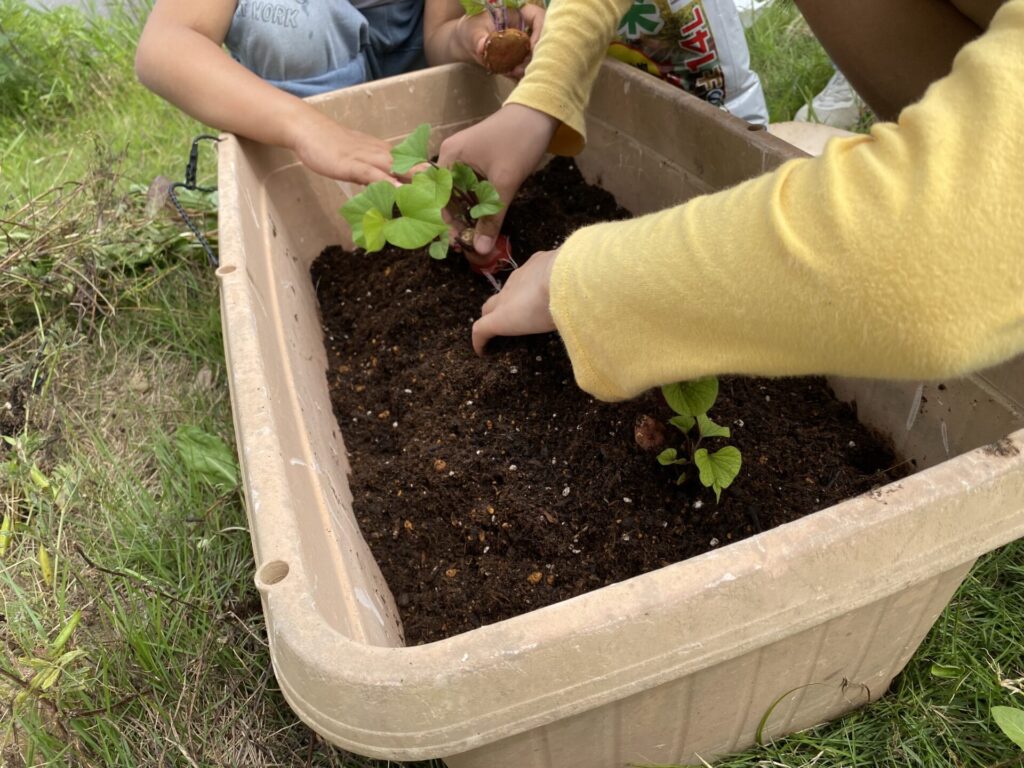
(488, 487)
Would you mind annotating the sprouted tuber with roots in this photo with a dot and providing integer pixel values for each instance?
(691, 401)
(409, 216)
(507, 46)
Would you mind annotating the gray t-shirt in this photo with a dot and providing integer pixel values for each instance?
(312, 46)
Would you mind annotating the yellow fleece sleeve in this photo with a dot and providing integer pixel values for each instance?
(563, 68)
(895, 255)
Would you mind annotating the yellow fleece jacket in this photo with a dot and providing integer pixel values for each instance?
(897, 255)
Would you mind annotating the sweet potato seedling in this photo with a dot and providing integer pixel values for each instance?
(691, 401)
(507, 46)
(409, 216)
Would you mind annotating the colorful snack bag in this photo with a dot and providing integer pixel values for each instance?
(696, 45)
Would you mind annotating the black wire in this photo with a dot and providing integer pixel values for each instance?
(190, 184)
(210, 255)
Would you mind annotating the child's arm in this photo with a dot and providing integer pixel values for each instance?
(180, 57)
(545, 111)
(894, 255)
(449, 35)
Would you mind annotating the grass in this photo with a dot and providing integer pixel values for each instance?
(131, 634)
(938, 711)
(788, 59)
(791, 63)
(66, 85)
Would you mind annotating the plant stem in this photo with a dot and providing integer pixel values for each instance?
(499, 16)
(461, 211)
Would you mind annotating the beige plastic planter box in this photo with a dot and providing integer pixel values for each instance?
(675, 664)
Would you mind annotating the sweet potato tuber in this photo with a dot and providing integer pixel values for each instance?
(506, 50)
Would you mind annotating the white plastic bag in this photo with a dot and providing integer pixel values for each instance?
(749, 10)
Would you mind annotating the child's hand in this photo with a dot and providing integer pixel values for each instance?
(472, 33)
(506, 148)
(533, 19)
(522, 306)
(337, 152)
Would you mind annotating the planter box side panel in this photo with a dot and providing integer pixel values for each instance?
(282, 216)
(675, 147)
(932, 422)
(295, 477)
(448, 97)
(803, 680)
(344, 578)
(1008, 379)
(603, 678)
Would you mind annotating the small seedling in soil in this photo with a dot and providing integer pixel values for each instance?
(691, 401)
(409, 216)
(507, 46)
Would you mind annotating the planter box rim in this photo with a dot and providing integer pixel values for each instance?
(460, 694)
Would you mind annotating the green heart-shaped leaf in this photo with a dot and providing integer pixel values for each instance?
(666, 457)
(488, 201)
(412, 151)
(443, 182)
(426, 195)
(380, 196)
(690, 398)
(683, 423)
(439, 249)
(473, 7)
(420, 203)
(718, 469)
(708, 428)
(373, 230)
(463, 177)
(409, 233)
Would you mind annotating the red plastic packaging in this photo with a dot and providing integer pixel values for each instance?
(499, 259)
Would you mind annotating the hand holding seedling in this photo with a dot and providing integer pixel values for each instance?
(522, 307)
(409, 215)
(487, 145)
(500, 52)
(505, 33)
